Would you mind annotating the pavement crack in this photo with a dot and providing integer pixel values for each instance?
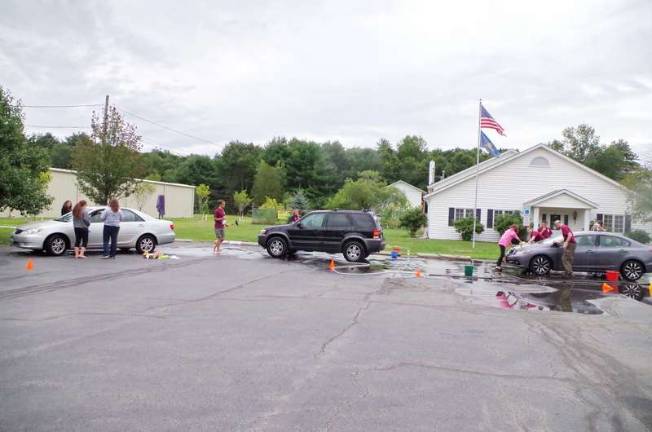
(343, 331)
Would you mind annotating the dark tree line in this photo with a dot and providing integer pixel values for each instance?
(319, 170)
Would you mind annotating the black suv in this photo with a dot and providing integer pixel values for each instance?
(356, 234)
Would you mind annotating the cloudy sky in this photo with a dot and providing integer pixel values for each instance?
(353, 71)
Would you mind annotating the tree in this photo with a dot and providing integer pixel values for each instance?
(236, 166)
(24, 172)
(108, 166)
(640, 198)
(241, 200)
(367, 192)
(203, 191)
(268, 183)
(412, 220)
(580, 143)
(299, 201)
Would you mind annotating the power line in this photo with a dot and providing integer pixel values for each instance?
(59, 106)
(166, 127)
(56, 127)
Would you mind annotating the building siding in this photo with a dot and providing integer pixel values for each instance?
(179, 199)
(412, 194)
(510, 185)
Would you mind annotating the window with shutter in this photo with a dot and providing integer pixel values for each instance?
(490, 218)
(451, 216)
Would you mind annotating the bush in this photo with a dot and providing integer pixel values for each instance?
(412, 220)
(504, 221)
(639, 236)
(465, 228)
(390, 215)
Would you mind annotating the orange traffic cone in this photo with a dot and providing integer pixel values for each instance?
(606, 288)
(30, 265)
(418, 273)
(331, 265)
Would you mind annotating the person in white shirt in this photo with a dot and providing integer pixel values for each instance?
(111, 217)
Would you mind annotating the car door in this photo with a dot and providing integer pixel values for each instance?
(585, 252)
(131, 227)
(337, 226)
(611, 252)
(304, 234)
(96, 229)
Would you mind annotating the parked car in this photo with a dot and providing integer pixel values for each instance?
(596, 252)
(137, 230)
(356, 234)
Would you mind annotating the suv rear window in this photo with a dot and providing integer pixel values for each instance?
(363, 221)
(338, 220)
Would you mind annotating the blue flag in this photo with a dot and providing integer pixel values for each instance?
(486, 144)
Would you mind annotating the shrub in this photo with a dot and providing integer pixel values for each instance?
(504, 221)
(639, 236)
(465, 228)
(390, 214)
(412, 220)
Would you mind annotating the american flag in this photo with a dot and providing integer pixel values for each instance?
(488, 122)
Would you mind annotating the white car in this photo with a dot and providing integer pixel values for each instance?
(137, 230)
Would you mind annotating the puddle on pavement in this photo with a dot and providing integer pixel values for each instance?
(510, 289)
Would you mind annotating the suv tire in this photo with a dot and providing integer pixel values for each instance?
(354, 251)
(277, 247)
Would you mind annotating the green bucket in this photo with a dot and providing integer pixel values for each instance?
(468, 270)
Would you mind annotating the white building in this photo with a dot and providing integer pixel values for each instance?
(540, 183)
(179, 198)
(412, 193)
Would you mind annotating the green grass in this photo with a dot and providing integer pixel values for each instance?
(202, 230)
(198, 229)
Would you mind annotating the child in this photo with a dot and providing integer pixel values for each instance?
(506, 239)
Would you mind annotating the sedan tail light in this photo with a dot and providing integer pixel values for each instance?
(172, 227)
(376, 233)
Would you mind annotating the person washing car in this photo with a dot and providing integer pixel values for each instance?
(569, 248)
(510, 235)
(541, 234)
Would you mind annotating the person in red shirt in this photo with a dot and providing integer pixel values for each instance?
(220, 223)
(569, 248)
(544, 231)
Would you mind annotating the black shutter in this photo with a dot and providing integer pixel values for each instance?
(565, 219)
(490, 218)
(451, 216)
(478, 215)
(628, 223)
(599, 217)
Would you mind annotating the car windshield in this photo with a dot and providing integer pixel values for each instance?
(65, 218)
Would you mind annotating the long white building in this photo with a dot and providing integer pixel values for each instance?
(179, 198)
(540, 183)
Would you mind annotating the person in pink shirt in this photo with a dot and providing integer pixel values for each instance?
(505, 241)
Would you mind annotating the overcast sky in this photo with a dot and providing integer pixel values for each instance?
(353, 71)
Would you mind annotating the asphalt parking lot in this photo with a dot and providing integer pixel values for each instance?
(243, 342)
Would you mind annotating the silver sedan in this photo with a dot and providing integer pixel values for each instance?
(595, 252)
(137, 230)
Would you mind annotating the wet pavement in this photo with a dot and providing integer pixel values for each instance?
(244, 342)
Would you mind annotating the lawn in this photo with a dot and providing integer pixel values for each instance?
(198, 229)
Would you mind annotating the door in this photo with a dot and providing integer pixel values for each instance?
(337, 226)
(304, 234)
(585, 252)
(95, 231)
(131, 227)
(610, 252)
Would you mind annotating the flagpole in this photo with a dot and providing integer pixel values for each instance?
(477, 173)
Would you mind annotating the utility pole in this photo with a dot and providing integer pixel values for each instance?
(106, 119)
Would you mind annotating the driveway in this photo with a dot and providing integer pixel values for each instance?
(243, 342)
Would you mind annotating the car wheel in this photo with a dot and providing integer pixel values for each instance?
(632, 270)
(354, 251)
(277, 247)
(56, 245)
(540, 265)
(632, 290)
(146, 243)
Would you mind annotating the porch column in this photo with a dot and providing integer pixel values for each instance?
(535, 217)
(587, 219)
